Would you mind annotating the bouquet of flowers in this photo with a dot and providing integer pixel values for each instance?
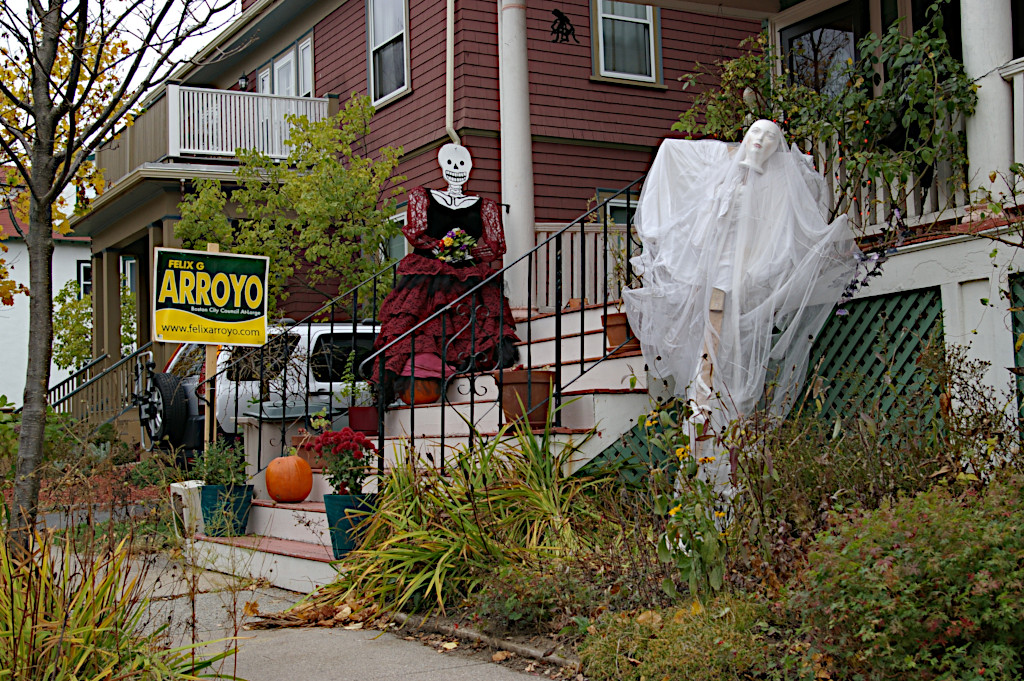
(455, 246)
(345, 454)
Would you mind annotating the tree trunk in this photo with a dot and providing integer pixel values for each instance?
(37, 376)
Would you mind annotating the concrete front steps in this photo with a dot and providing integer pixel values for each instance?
(602, 398)
(285, 544)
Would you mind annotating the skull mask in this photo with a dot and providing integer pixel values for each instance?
(456, 164)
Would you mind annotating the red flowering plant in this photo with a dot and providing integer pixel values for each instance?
(346, 459)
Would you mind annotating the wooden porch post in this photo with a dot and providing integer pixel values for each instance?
(110, 322)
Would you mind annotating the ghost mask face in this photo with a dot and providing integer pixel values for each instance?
(760, 142)
(455, 163)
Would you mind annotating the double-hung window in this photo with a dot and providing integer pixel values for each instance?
(626, 41)
(290, 72)
(389, 49)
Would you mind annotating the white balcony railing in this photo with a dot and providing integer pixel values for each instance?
(1014, 72)
(217, 122)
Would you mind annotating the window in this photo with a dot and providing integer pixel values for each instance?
(306, 68)
(284, 74)
(389, 63)
(398, 247)
(290, 73)
(84, 278)
(626, 41)
(129, 270)
(817, 49)
(818, 36)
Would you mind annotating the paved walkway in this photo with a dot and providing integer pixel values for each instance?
(309, 654)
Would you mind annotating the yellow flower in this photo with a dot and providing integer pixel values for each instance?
(649, 423)
(719, 514)
(675, 510)
(706, 459)
(447, 241)
(682, 452)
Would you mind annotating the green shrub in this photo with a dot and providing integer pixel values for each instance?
(924, 588)
(551, 595)
(223, 463)
(719, 641)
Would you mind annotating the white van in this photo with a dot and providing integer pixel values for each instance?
(307, 363)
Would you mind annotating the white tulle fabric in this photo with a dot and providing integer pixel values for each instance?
(706, 222)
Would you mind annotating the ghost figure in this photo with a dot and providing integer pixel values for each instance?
(739, 270)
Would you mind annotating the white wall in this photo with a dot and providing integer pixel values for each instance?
(14, 319)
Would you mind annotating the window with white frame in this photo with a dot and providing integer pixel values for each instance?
(84, 278)
(627, 41)
(305, 69)
(389, 49)
(290, 73)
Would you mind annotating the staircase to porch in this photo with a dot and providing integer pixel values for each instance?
(602, 397)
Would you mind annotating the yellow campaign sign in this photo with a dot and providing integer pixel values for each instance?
(211, 298)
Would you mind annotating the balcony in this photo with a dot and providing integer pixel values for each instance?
(189, 123)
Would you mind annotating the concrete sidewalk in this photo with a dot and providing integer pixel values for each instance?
(309, 654)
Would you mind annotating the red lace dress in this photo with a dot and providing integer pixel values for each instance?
(479, 333)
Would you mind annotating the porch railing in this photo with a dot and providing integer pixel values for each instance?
(104, 396)
(190, 121)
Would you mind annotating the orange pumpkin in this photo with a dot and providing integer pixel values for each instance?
(289, 479)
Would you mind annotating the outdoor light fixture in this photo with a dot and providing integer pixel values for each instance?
(243, 82)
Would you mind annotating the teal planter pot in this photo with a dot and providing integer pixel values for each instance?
(225, 509)
(345, 512)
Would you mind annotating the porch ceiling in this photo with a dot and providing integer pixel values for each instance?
(748, 9)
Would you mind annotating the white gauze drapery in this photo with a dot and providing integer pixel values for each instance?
(706, 221)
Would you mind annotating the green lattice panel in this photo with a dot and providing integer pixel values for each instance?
(1017, 317)
(872, 352)
(879, 340)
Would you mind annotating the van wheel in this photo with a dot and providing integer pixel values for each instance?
(164, 409)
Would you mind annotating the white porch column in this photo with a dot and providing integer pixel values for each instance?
(516, 147)
(987, 31)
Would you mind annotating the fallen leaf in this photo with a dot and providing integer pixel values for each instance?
(649, 617)
(450, 645)
(251, 609)
(501, 656)
(353, 627)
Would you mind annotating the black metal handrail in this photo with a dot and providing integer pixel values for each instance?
(274, 362)
(600, 211)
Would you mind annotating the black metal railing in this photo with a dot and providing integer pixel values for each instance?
(305, 369)
(560, 277)
(273, 390)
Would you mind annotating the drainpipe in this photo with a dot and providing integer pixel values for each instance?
(516, 143)
(449, 73)
(986, 30)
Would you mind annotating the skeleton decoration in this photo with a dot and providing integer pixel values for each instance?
(562, 28)
(456, 164)
(739, 269)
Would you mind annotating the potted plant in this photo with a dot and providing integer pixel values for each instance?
(529, 390)
(346, 456)
(620, 338)
(225, 497)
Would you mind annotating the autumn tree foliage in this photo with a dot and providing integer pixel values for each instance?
(71, 72)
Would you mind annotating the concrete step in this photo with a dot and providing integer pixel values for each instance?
(542, 351)
(304, 522)
(285, 563)
(543, 325)
(610, 412)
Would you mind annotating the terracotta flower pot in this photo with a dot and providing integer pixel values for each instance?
(527, 389)
(616, 324)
